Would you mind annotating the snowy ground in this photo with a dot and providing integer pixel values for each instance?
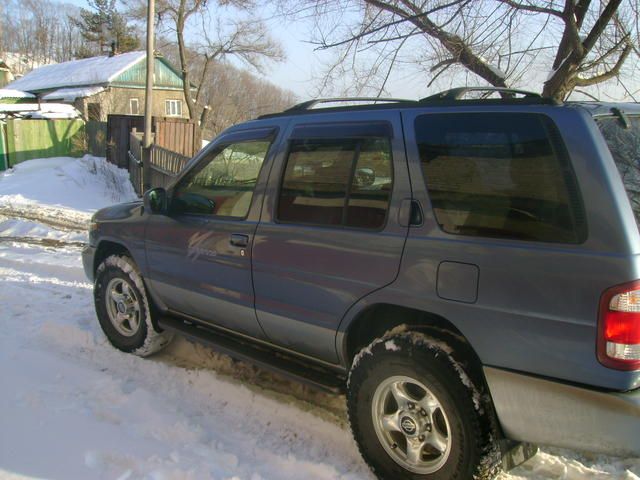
(72, 407)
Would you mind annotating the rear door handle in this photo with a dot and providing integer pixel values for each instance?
(239, 240)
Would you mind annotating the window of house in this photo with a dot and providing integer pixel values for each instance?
(338, 182)
(223, 184)
(173, 108)
(134, 106)
(94, 111)
(500, 175)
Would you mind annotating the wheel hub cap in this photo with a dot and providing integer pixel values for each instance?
(411, 424)
(123, 307)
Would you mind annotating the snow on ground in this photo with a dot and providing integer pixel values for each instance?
(73, 407)
(77, 186)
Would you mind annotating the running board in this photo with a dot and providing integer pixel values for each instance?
(315, 376)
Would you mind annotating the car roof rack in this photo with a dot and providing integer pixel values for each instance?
(450, 97)
(309, 104)
(508, 94)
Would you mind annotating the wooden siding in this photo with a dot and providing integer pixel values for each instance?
(165, 76)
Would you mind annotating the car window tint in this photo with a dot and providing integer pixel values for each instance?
(624, 144)
(222, 185)
(343, 182)
(370, 190)
(499, 175)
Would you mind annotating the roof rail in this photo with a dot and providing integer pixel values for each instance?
(458, 93)
(308, 105)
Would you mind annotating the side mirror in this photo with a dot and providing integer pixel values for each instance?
(155, 200)
(365, 177)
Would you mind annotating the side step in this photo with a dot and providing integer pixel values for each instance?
(287, 365)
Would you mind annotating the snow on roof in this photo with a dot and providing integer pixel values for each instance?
(88, 71)
(70, 94)
(11, 93)
(44, 110)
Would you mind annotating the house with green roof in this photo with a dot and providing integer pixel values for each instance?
(114, 84)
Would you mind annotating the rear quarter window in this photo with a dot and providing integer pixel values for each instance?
(500, 175)
(623, 138)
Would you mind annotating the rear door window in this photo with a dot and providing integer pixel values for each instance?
(337, 182)
(501, 175)
(623, 138)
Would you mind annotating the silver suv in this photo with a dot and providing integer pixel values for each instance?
(466, 270)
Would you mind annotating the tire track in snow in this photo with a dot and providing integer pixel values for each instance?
(58, 218)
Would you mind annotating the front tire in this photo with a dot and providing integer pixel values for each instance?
(123, 310)
(415, 414)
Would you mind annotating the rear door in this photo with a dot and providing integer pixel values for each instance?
(199, 253)
(330, 232)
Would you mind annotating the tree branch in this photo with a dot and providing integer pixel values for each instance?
(614, 72)
(532, 8)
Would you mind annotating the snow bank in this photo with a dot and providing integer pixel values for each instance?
(77, 187)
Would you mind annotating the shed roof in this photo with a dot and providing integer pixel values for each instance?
(70, 94)
(88, 71)
(11, 93)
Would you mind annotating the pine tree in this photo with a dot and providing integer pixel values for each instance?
(101, 26)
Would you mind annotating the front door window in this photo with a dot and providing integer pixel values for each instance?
(222, 185)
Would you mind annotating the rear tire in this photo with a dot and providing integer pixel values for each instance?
(123, 310)
(415, 414)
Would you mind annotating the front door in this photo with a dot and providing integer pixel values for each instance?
(330, 232)
(199, 253)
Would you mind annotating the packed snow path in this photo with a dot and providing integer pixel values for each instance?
(72, 407)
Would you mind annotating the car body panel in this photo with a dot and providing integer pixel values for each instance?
(306, 277)
(529, 310)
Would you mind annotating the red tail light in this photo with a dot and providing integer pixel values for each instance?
(619, 327)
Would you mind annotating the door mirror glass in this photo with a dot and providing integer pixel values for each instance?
(155, 200)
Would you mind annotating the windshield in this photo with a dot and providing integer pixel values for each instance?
(623, 138)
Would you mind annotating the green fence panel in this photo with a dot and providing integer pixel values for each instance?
(29, 139)
(4, 163)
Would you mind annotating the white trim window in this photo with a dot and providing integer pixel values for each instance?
(173, 108)
(134, 106)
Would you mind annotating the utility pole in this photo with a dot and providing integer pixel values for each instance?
(148, 100)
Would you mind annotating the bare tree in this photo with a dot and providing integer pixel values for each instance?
(583, 42)
(29, 33)
(215, 40)
(236, 95)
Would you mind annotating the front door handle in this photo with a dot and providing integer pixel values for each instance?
(239, 240)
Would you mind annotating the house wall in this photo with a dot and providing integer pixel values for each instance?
(117, 100)
(5, 77)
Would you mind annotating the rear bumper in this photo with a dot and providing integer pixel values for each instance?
(88, 254)
(545, 412)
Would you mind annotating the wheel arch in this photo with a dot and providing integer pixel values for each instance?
(378, 319)
(106, 248)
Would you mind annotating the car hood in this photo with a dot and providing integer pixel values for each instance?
(120, 211)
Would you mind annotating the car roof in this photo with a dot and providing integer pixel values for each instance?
(448, 98)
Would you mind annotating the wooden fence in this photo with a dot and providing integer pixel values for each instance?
(96, 138)
(178, 135)
(175, 134)
(135, 161)
(119, 129)
(29, 139)
(164, 165)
